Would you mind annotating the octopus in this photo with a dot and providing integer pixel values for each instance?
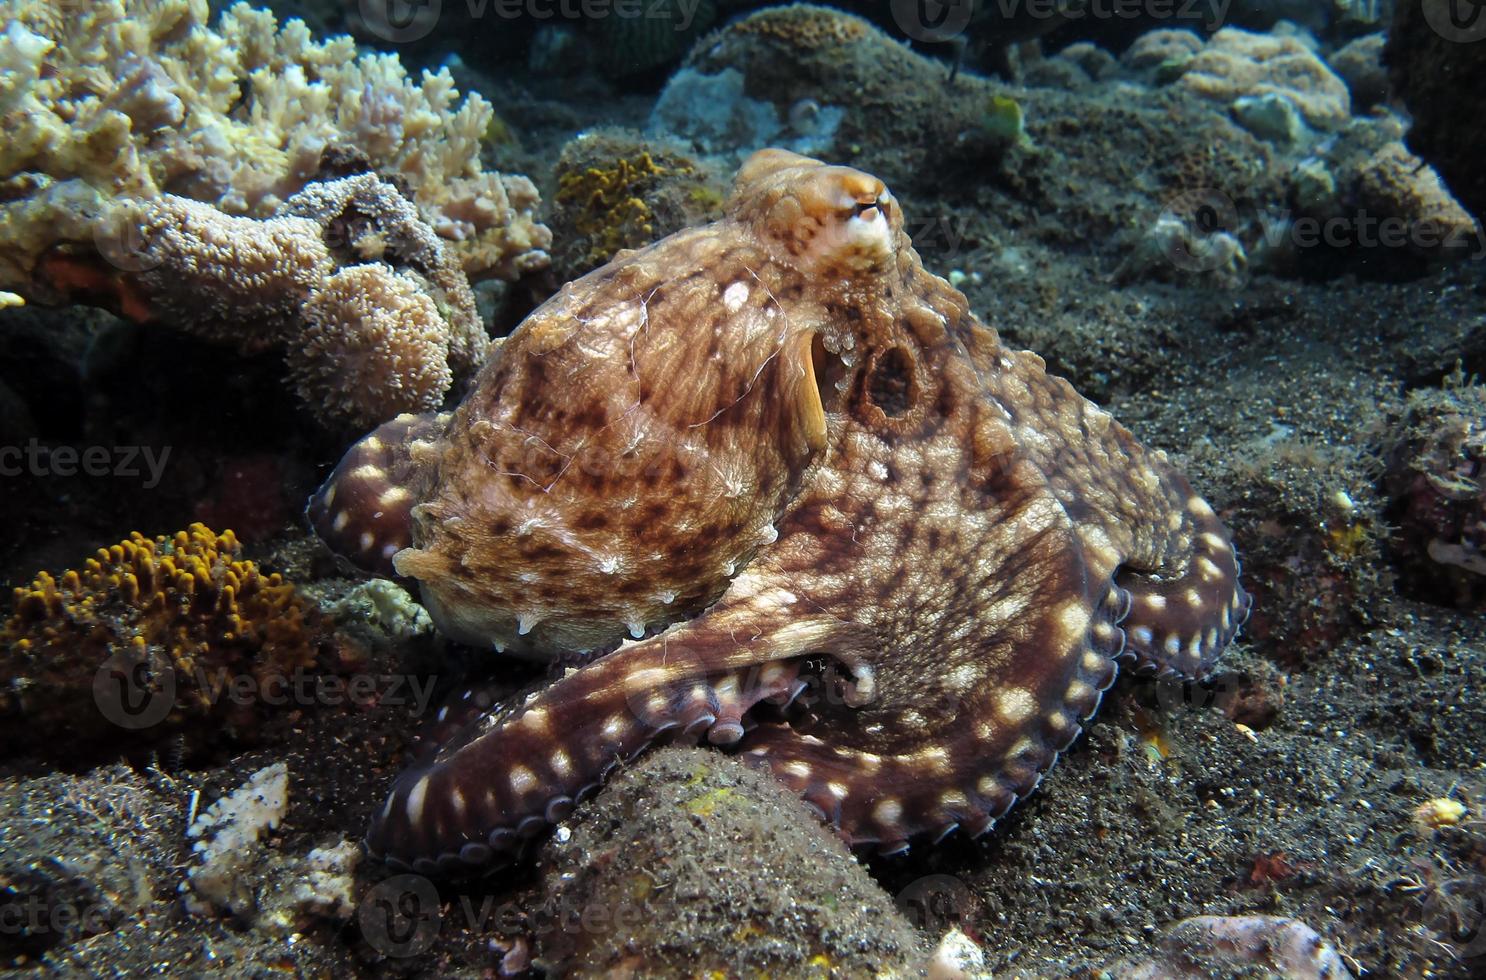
(769, 484)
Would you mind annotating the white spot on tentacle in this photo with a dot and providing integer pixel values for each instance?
(522, 779)
(1015, 705)
(417, 796)
(887, 813)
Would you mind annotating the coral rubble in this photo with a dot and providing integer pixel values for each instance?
(226, 835)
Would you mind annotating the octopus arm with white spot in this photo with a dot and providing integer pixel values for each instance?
(1142, 523)
(517, 776)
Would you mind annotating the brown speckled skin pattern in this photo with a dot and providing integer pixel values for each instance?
(793, 497)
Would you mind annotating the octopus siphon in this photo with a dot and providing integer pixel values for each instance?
(770, 484)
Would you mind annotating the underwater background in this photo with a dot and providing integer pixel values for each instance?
(237, 238)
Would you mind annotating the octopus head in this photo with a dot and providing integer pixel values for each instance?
(821, 219)
(636, 443)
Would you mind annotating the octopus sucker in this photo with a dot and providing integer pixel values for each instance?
(799, 504)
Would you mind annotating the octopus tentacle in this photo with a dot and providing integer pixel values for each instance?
(363, 511)
(1139, 519)
(993, 753)
(511, 775)
(1179, 625)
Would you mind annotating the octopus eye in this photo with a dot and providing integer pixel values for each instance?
(868, 210)
(890, 385)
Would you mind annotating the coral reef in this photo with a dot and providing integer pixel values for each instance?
(1361, 204)
(367, 305)
(616, 190)
(1236, 63)
(1436, 485)
(1434, 59)
(138, 98)
(871, 99)
(149, 638)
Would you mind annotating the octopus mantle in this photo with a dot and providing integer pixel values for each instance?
(785, 493)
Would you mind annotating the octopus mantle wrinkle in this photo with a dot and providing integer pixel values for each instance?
(968, 546)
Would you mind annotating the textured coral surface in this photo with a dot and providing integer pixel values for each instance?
(137, 98)
(138, 641)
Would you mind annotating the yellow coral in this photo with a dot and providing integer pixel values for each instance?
(611, 210)
(805, 26)
(178, 617)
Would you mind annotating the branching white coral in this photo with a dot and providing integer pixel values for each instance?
(141, 98)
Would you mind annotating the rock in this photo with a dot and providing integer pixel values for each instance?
(691, 863)
(1360, 65)
(1236, 63)
(1270, 116)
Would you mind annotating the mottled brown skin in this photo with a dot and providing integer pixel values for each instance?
(766, 457)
